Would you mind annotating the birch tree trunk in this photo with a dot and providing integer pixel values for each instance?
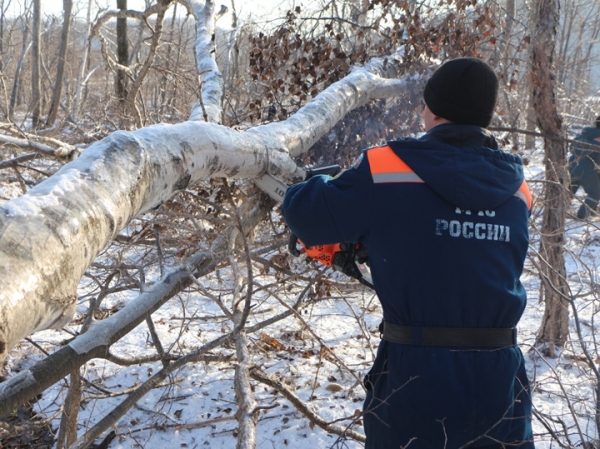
(62, 57)
(50, 236)
(554, 329)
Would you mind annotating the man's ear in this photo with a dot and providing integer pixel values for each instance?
(438, 119)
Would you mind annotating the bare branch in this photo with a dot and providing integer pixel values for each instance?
(109, 420)
(18, 160)
(303, 408)
(96, 341)
(39, 147)
(30, 426)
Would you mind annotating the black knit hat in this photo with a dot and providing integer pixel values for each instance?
(463, 90)
(598, 122)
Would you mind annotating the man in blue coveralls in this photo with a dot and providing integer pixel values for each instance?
(582, 167)
(445, 221)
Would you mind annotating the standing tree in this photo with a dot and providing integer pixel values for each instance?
(577, 37)
(36, 100)
(162, 96)
(4, 6)
(62, 57)
(133, 88)
(83, 65)
(122, 53)
(554, 329)
(17, 80)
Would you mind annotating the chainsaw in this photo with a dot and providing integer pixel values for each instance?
(348, 258)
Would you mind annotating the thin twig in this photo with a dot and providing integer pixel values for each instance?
(592, 147)
(303, 408)
(31, 426)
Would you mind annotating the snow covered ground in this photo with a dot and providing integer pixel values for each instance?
(321, 355)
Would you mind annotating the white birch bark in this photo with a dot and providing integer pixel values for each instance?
(302, 130)
(209, 108)
(49, 236)
(100, 336)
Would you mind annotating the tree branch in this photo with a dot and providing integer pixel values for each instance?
(49, 236)
(303, 408)
(40, 148)
(111, 419)
(18, 160)
(96, 341)
(592, 147)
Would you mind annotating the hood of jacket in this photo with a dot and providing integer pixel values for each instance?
(463, 165)
(589, 134)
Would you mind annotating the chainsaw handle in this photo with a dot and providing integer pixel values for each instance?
(330, 170)
(293, 245)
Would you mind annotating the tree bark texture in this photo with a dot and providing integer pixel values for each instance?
(122, 52)
(36, 99)
(211, 80)
(62, 57)
(554, 329)
(49, 236)
(67, 433)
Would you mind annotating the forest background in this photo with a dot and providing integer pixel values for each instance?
(161, 307)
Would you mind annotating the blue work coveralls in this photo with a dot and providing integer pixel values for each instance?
(582, 168)
(445, 223)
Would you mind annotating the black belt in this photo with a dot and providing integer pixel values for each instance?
(473, 337)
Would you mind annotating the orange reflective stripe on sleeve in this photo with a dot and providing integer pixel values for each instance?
(386, 167)
(524, 194)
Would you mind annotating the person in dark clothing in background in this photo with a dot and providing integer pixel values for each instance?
(582, 167)
(444, 219)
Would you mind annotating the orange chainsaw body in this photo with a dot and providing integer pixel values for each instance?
(322, 253)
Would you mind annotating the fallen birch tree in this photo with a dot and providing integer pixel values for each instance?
(119, 183)
(51, 235)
